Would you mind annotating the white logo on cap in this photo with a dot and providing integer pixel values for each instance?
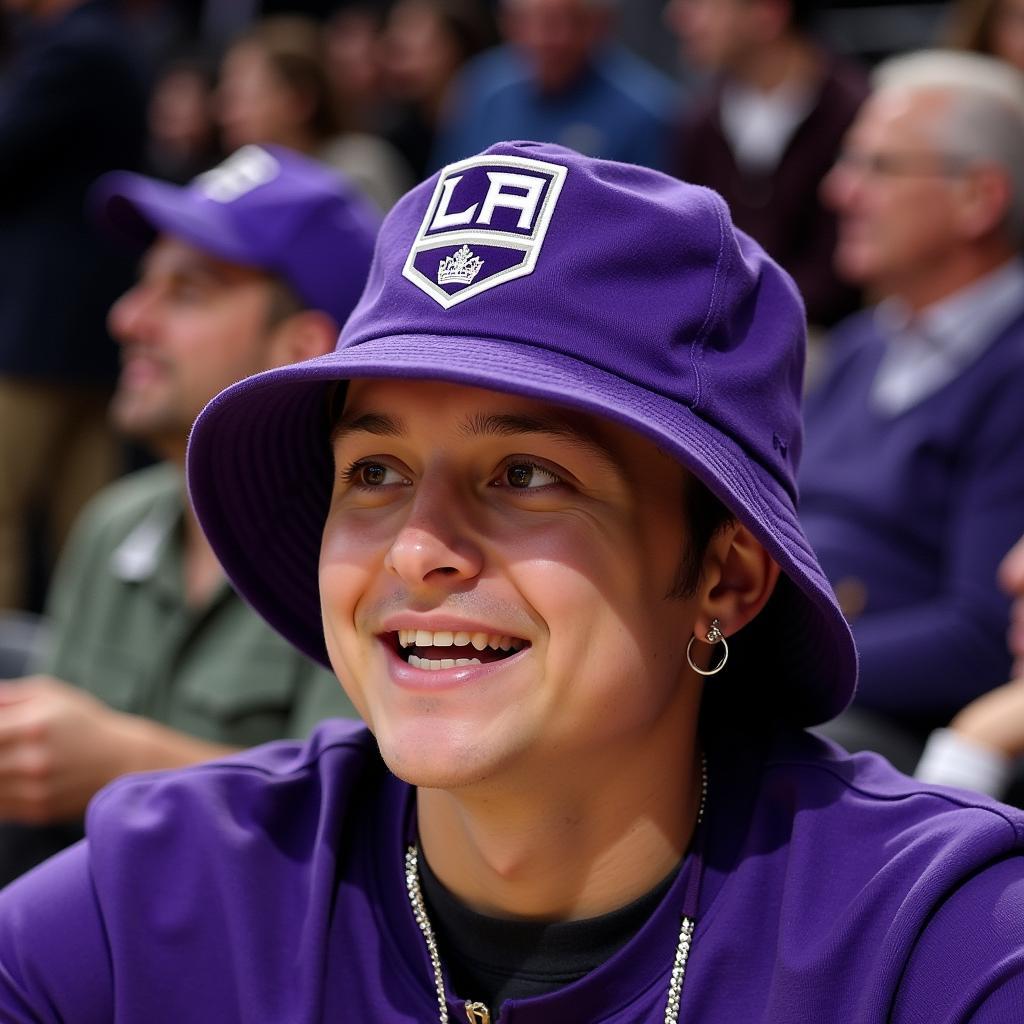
(499, 205)
(248, 168)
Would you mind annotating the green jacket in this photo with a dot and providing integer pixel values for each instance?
(122, 629)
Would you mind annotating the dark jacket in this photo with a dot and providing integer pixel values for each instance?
(72, 105)
(781, 209)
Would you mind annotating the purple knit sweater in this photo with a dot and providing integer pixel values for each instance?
(915, 511)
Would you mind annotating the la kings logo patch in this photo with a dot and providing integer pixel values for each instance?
(485, 225)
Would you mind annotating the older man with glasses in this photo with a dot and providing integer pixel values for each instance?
(912, 483)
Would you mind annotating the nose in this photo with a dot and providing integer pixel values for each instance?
(839, 187)
(129, 318)
(435, 546)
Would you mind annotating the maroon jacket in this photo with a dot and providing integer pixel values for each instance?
(781, 209)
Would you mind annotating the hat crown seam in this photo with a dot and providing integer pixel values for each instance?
(699, 345)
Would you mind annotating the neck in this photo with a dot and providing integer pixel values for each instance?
(605, 835)
(928, 285)
(790, 60)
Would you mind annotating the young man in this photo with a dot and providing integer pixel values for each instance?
(155, 661)
(554, 495)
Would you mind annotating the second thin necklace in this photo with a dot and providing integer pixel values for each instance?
(683, 946)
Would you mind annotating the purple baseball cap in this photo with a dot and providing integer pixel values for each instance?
(266, 207)
(600, 286)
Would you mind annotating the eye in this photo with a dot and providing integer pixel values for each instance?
(372, 474)
(527, 476)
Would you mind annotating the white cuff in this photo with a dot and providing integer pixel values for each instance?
(951, 760)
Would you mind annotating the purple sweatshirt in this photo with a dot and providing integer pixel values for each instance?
(268, 888)
(919, 508)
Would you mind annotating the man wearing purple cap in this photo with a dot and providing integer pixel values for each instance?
(540, 491)
(155, 660)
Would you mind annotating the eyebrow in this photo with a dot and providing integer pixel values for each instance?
(368, 423)
(489, 425)
(515, 424)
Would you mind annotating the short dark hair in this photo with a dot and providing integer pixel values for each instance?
(704, 516)
(284, 302)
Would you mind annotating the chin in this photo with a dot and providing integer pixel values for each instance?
(437, 756)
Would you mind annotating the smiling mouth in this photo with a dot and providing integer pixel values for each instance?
(432, 650)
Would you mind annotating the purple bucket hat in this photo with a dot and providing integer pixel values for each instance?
(266, 207)
(604, 287)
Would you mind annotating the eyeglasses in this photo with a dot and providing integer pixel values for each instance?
(898, 165)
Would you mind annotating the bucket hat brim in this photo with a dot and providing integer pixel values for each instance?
(260, 475)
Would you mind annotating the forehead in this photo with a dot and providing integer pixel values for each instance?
(900, 117)
(433, 412)
(172, 256)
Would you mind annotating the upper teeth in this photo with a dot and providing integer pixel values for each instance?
(447, 638)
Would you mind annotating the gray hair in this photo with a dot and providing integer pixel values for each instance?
(985, 121)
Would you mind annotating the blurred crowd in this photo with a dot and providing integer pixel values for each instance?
(890, 190)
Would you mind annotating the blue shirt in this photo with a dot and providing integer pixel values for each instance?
(620, 109)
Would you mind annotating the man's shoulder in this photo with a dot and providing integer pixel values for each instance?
(880, 829)
(120, 505)
(335, 756)
(863, 783)
(638, 83)
(844, 85)
(492, 73)
(238, 808)
(863, 879)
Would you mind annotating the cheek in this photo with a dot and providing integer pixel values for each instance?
(346, 576)
(349, 550)
(601, 598)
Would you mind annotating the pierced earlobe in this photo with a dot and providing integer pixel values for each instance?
(713, 636)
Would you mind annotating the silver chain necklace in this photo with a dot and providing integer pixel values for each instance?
(419, 909)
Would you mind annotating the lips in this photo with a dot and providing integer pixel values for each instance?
(433, 650)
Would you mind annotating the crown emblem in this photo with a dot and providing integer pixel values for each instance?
(459, 268)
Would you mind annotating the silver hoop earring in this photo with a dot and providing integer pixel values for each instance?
(713, 636)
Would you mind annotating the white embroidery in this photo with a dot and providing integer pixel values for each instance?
(460, 268)
(527, 187)
(248, 168)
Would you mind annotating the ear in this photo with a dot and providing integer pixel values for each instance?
(738, 578)
(302, 335)
(984, 199)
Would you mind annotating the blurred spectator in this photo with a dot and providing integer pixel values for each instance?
(72, 105)
(560, 78)
(911, 488)
(424, 45)
(274, 89)
(155, 661)
(767, 131)
(351, 40)
(983, 746)
(995, 27)
(182, 131)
